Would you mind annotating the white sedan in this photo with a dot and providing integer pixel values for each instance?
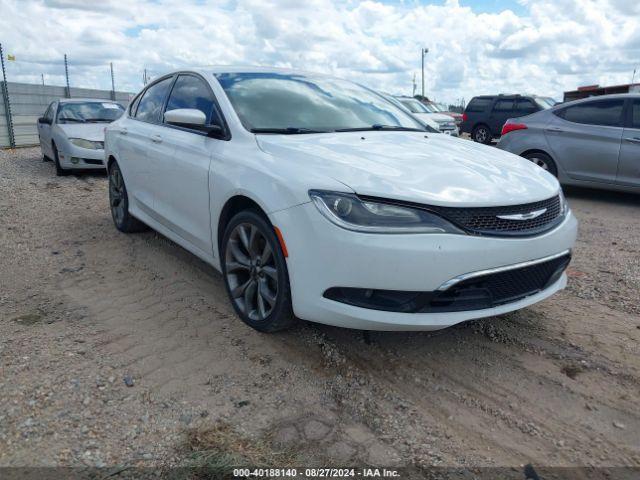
(71, 133)
(319, 199)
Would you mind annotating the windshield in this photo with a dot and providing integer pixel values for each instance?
(413, 105)
(89, 112)
(545, 102)
(430, 108)
(292, 103)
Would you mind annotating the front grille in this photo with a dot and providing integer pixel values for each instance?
(477, 293)
(485, 221)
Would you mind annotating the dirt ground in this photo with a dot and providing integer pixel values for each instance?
(123, 350)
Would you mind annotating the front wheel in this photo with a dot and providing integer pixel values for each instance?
(255, 273)
(544, 161)
(60, 172)
(119, 203)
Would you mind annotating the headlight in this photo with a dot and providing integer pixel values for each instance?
(91, 145)
(348, 211)
(564, 207)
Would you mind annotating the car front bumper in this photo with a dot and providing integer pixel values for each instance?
(323, 256)
(82, 158)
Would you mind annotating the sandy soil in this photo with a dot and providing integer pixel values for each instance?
(115, 349)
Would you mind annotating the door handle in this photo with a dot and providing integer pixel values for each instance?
(123, 131)
(554, 130)
(156, 138)
(633, 140)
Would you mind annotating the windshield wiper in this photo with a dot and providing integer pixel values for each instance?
(377, 126)
(99, 120)
(72, 120)
(287, 131)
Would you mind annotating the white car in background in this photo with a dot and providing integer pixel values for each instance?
(319, 199)
(444, 123)
(71, 132)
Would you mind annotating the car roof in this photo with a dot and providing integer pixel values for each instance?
(216, 69)
(82, 100)
(598, 97)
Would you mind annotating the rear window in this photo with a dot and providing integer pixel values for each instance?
(602, 112)
(478, 104)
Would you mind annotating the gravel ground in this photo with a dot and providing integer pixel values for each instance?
(122, 349)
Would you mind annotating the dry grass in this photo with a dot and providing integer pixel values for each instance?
(214, 453)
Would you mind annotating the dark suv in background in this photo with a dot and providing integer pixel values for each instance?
(485, 115)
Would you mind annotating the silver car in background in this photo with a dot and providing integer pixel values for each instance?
(593, 142)
(71, 132)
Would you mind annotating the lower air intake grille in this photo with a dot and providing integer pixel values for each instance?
(477, 293)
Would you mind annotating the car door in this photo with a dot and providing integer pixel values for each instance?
(629, 162)
(585, 139)
(182, 189)
(44, 130)
(503, 109)
(138, 144)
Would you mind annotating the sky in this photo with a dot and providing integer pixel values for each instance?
(475, 46)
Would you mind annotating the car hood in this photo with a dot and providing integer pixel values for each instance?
(88, 131)
(413, 166)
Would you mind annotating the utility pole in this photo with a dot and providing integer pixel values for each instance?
(66, 74)
(414, 85)
(7, 103)
(144, 77)
(42, 76)
(423, 52)
(113, 83)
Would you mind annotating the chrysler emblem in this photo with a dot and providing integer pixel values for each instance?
(523, 216)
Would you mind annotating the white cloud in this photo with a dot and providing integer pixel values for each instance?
(555, 45)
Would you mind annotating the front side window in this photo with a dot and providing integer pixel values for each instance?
(49, 113)
(89, 112)
(295, 102)
(601, 112)
(152, 101)
(503, 106)
(192, 92)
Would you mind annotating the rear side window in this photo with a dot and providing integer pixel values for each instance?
(191, 92)
(602, 112)
(525, 106)
(503, 106)
(635, 114)
(478, 104)
(152, 100)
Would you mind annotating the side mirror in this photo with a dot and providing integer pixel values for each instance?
(43, 120)
(186, 117)
(192, 118)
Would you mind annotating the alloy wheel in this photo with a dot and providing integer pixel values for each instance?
(117, 195)
(251, 271)
(481, 135)
(540, 162)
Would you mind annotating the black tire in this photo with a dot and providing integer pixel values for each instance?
(257, 282)
(544, 161)
(119, 203)
(60, 172)
(482, 134)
